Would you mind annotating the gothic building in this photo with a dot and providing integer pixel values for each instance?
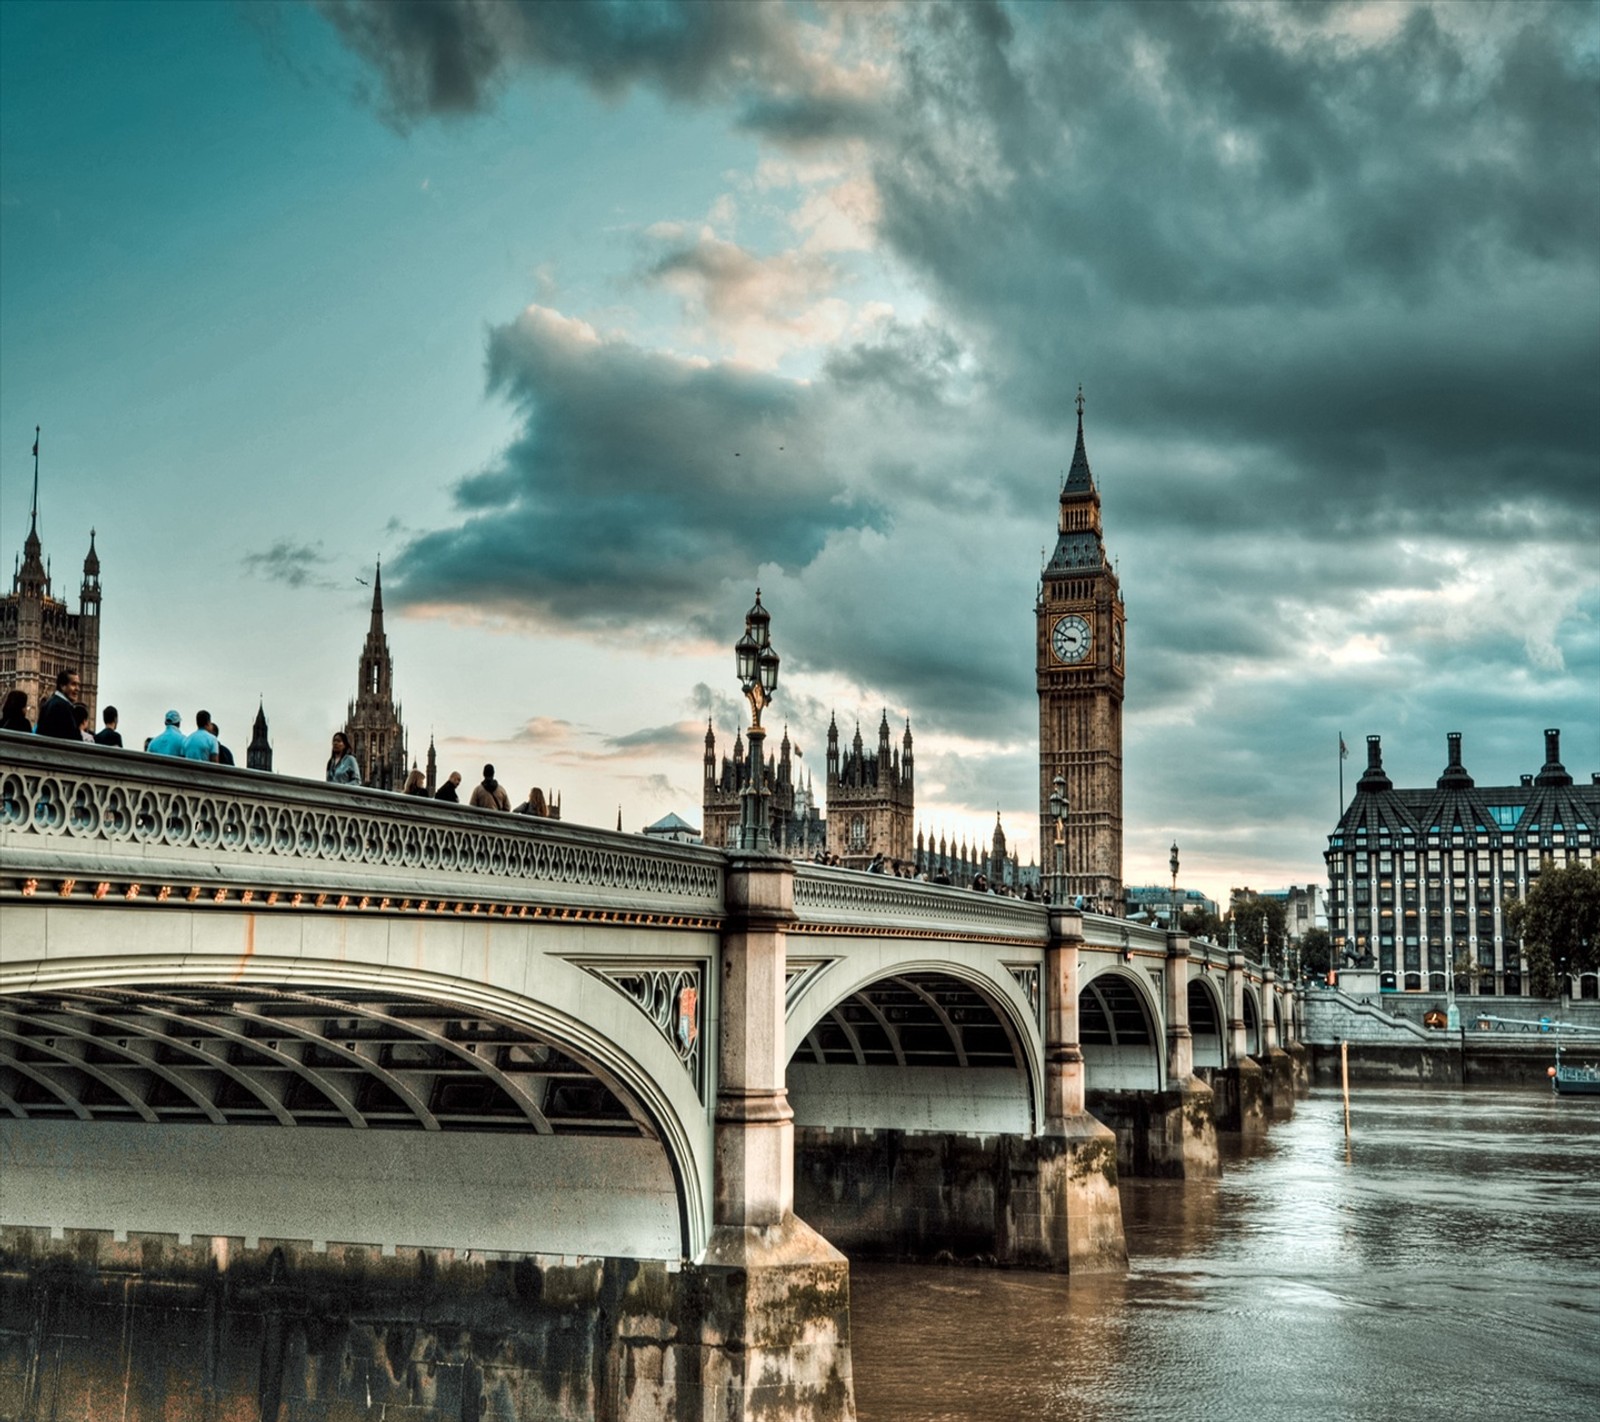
(1080, 655)
(871, 799)
(1420, 880)
(372, 724)
(791, 808)
(259, 754)
(39, 634)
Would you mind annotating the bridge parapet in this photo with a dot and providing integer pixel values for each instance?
(825, 896)
(104, 821)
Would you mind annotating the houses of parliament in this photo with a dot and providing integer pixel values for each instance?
(1080, 662)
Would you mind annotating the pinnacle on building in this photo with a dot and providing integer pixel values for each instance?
(373, 725)
(39, 634)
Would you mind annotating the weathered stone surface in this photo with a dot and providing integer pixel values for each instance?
(1044, 1202)
(1163, 1134)
(1239, 1097)
(148, 1328)
(1277, 1078)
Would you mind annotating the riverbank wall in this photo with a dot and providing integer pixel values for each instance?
(1387, 1041)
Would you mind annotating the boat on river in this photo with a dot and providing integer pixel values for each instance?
(1574, 1078)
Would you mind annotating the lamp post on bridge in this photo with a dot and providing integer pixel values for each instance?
(1172, 863)
(1059, 810)
(757, 663)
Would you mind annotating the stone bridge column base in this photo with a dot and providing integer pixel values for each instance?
(1300, 1060)
(1277, 1070)
(1036, 1202)
(1239, 1101)
(1169, 1134)
(773, 1306)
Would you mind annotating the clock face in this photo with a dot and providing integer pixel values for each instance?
(1116, 643)
(1070, 640)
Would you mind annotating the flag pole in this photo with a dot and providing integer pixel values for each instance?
(35, 519)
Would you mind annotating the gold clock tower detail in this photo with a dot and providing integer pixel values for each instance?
(1081, 657)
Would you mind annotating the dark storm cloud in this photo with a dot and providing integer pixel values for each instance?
(295, 565)
(1255, 234)
(631, 488)
(454, 56)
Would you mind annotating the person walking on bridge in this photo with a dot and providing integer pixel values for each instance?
(447, 791)
(14, 714)
(108, 735)
(491, 794)
(201, 744)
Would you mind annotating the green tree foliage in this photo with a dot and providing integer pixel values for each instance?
(1316, 952)
(1559, 922)
(1247, 913)
(1202, 923)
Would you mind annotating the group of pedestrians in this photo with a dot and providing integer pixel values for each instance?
(489, 794)
(64, 718)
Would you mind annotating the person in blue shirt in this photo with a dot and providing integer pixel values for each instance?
(170, 741)
(201, 744)
(343, 768)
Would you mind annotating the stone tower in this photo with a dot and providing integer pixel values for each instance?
(871, 799)
(259, 754)
(39, 635)
(373, 727)
(1080, 657)
(723, 795)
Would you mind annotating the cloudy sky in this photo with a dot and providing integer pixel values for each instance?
(588, 319)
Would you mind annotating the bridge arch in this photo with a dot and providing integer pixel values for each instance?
(1254, 1040)
(1208, 1020)
(472, 1113)
(916, 1043)
(1119, 1032)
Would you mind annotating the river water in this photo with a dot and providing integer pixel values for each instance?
(1447, 1266)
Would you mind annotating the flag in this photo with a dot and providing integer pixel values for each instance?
(1344, 750)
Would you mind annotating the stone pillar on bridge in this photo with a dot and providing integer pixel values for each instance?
(1081, 1152)
(1191, 1134)
(1294, 999)
(1239, 1088)
(1276, 1066)
(778, 1294)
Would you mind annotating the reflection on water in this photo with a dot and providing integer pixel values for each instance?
(1448, 1268)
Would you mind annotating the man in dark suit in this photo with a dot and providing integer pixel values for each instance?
(58, 716)
(109, 735)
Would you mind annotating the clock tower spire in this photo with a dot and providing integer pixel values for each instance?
(1080, 663)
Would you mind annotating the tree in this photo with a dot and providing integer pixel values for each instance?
(1247, 911)
(1316, 952)
(1559, 924)
(1201, 923)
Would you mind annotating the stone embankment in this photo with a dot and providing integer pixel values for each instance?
(1500, 1042)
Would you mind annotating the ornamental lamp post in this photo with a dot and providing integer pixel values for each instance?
(1172, 864)
(757, 664)
(1059, 809)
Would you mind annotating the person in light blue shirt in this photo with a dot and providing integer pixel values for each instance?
(343, 768)
(170, 741)
(201, 744)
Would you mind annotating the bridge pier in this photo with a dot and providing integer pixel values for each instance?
(1239, 1089)
(777, 1311)
(1276, 1067)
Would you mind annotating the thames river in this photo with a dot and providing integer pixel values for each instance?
(1446, 1266)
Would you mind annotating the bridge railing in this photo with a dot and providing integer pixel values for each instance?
(830, 896)
(89, 821)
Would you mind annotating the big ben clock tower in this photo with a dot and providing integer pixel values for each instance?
(1080, 655)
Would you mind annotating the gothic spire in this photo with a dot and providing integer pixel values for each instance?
(1079, 479)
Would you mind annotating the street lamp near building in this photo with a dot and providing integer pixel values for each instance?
(1060, 808)
(757, 663)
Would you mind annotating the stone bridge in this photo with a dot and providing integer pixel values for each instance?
(290, 1034)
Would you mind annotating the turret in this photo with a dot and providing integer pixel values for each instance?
(1455, 775)
(1553, 772)
(711, 753)
(833, 749)
(1374, 777)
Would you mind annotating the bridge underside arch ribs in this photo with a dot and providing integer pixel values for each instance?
(291, 1058)
(1117, 1036)
(914, 1051)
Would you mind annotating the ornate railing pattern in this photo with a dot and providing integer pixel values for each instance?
(87, 812)
(837, 898)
